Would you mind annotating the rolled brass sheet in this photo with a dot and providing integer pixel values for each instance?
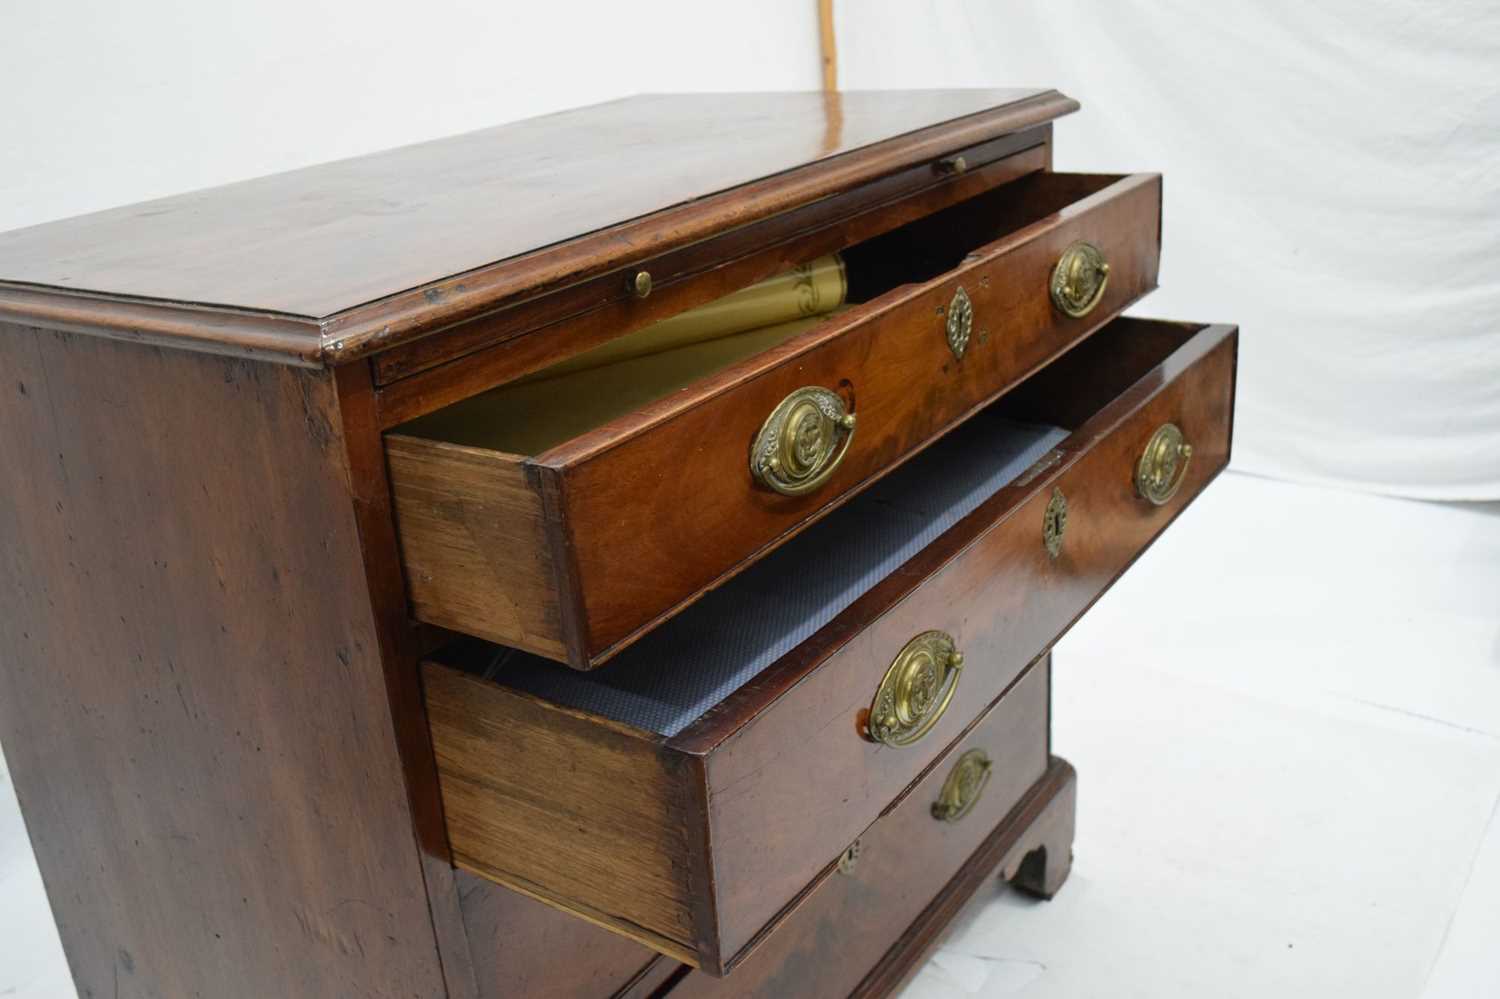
(813, 289)
(529, 417)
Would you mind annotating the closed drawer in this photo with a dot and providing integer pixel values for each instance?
(847, 921)
(685, 793)
(573, 547)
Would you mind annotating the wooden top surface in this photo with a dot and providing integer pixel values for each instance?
(299, 248)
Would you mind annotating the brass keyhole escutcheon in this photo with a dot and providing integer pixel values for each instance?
(1163, 465)
(916, 689)
(960, 323)
(849, 859)
(1054, 523)
(802, 441)
(1079, 279)
(964, 786)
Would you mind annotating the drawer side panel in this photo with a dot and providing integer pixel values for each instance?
(474, 544)
(584, 815)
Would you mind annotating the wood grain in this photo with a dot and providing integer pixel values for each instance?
(836, 936)
(475, 544)
(192, 700)
(524, 948)
(718, 795)
(565, 808)
(512, 342)
(813, 702)
(638, 553)
(890, 358)
(1034, 845)
(379, 249)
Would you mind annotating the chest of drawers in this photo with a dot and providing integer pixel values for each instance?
(416, 586)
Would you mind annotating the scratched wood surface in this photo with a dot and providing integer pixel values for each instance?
(624, 552)
(443, 230)
(192, 702)
(599, 817)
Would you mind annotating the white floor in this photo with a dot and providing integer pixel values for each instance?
(1286, 722)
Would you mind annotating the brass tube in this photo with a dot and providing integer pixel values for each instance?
(812, 289)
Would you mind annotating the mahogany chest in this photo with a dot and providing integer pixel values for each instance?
(612, 554)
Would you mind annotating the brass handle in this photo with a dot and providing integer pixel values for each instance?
(802, 441)
(962, 789)
(1079, 279)
(1163, 465)
(916, 690)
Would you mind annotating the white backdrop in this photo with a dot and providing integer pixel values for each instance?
(1332, 168)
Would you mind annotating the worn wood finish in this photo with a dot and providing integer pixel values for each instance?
(192, 702)
(500, 345)
(524, 948)
(554, 822)
(401, 642)
(367, 253)
(629, 551)
(1032, 850)
(818, 695)
(475, 543)
(838, 935)
(567, 808)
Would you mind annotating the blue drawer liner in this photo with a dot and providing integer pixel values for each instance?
(673, 675)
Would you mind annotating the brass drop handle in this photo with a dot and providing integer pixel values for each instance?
(964, 786)
(802, 441)
(1079, 279)
(1163, 465)
(916, 689)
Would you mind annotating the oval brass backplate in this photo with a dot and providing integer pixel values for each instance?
(916, 690)
(1163, 465)
(1079, 279)
(802, 441)
(962, 789)
(960, 323)
(1054, 523)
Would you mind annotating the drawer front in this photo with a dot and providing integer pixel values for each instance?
(837, 932)
(631, 500)
(991, 584)
(575, 552)
(694, 840)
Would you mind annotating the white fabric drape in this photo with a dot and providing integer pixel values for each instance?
(1332, 183)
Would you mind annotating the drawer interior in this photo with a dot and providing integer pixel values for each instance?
(671, 677)
(733, 633)
(544, 410)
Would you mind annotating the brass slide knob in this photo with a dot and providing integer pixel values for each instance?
(962, 789)
(1079, 279)
(916, 690)
(1163, 464)
(802, 441)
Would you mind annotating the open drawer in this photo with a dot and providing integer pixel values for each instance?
(571, 541)
(686, 793)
